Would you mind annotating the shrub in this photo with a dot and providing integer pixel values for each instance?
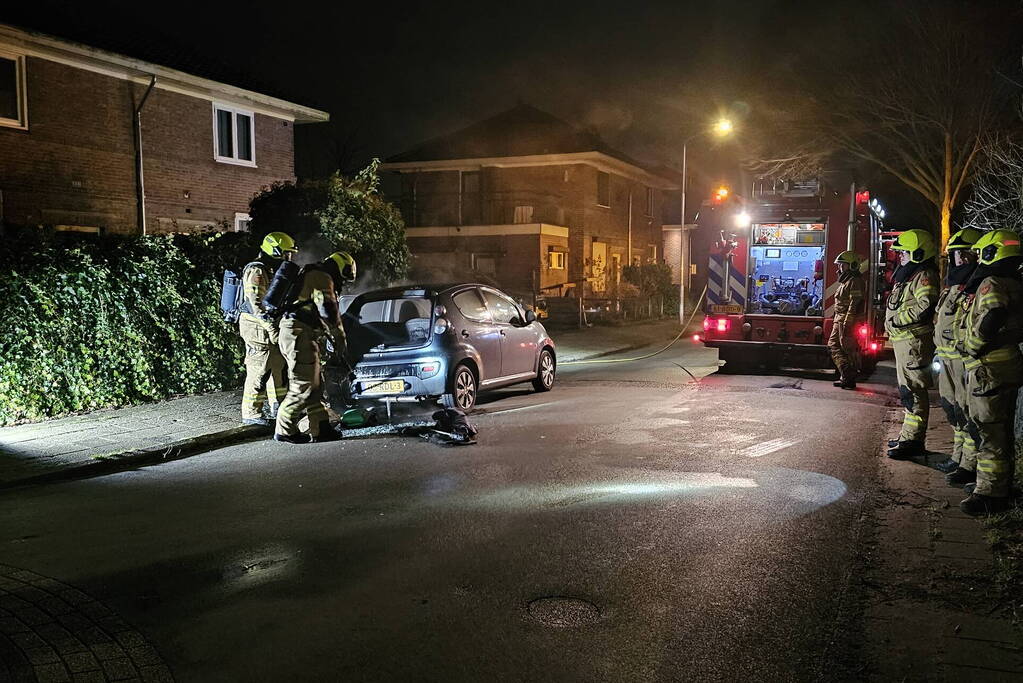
(89, 323)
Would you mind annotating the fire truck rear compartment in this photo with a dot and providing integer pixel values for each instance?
(786, 279)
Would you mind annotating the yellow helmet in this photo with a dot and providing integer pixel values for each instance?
(276, 244)
(997, 245)
(850, 257)
(919, 244)
(963, 239)
(345, 265)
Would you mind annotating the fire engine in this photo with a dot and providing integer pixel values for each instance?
(771, 276)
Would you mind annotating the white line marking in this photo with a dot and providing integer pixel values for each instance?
(761, 449)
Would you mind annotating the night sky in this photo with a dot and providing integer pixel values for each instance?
(644, 75)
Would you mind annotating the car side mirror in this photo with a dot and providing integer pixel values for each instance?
(530, 317)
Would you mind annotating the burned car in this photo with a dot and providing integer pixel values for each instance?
(446, 342)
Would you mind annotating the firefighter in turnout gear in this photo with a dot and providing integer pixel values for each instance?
(311, 312)
(848, 311)
(264, 365)
(962, 261)
(909, 322)
(988, 336)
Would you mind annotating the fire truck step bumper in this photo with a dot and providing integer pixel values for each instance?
(770, 355)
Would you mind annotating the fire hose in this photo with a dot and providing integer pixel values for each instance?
(696, 309)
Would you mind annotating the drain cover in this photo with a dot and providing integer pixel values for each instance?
(562, 612)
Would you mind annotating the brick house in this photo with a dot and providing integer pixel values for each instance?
(531, 201)
(96, 141)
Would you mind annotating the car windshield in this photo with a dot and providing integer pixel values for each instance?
(398, 321)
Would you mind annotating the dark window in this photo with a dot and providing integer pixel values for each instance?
(225, 134)
(471, 305)
(10, 95)
(244, 137)
(603, 189)
(470, 198)
(650, 201)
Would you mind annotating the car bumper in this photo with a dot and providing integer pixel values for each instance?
(370, 385)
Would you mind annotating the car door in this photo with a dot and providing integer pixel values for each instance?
(477, 329)
(518, 341)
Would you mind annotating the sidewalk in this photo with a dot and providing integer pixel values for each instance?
(933, 610)
(114, 440)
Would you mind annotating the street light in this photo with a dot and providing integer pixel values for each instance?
(722, 128)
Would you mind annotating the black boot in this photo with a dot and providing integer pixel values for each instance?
(970, 488)
(978, 504)
(327, 433)
(292, 438)
(847, 384)
(892, 443)
(906, 450)
(961, 477)
(947, 466)
(261, 421)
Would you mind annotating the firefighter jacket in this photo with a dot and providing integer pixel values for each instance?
(947, 316)
(255, 280)
(910, 309)
(849, 298)
(991, 329)
(316, 304)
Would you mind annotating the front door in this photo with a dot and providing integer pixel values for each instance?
(518, 341)
(599, 267)
(479, 331)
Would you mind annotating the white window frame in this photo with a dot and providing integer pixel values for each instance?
(556, 260)
(235, 112)
(21, 92)
(240, 218)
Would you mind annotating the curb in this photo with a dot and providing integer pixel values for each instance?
(601, 354)
(132, 459)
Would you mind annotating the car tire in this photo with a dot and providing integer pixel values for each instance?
(546, 371)
(463, 389)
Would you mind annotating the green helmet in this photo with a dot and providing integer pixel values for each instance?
(963, 239)
(276, 244)
(850, 257)
(997, 245)
(345, 265)
(918, 243)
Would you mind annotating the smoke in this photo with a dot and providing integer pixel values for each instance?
(311, 249)
(606, 116)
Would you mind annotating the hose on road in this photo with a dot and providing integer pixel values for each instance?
(696, 309)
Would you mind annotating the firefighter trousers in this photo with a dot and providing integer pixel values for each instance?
(301, 350)
(264, 368)
(952, 389)
(990, 411)
(845, 351)
(913, 369)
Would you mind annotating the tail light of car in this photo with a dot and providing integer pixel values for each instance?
(428, 369)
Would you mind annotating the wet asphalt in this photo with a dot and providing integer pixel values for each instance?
(630, 525)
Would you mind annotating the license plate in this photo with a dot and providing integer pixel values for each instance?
(727, 309)
(394, 386)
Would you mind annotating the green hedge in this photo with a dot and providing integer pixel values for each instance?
(95, 322)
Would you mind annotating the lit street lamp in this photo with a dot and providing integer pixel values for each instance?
(721, 128)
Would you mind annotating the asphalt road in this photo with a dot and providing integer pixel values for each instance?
(683, 530)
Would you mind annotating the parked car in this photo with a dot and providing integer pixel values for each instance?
(445, 342)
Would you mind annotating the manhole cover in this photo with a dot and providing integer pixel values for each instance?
(561, 612)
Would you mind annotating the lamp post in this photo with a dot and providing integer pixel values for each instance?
(721, 128)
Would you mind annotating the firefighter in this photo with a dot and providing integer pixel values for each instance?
(310, 314)
(962, 261)
(989, 337)
(909, 322)
(264, 365)
(848, 310)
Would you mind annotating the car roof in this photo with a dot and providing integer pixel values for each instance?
(433, 288)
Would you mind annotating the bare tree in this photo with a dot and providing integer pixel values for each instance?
(917, 98)
(996, 200)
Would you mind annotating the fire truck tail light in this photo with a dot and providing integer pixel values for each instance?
(707, 322)
(864, 330)
(873, 346)
(722, 324)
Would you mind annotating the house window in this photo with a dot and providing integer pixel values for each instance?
(485, 264)
(556, 260)
(234, 135)
(603, 189)
(13, 108)
(651, 253)
(470, 197)
(649, 201)
(242, 222)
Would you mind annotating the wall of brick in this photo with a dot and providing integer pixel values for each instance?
(76, 162)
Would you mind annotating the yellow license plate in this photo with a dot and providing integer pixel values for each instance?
(727, 309)
(394, 386)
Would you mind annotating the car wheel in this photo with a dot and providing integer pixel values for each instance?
(463, 390)
(545, 373)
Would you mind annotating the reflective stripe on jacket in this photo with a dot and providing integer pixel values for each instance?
(998, 349)
(947, 316)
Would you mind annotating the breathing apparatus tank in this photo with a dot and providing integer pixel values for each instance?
(286, 277)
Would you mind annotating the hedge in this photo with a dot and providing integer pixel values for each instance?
(90, 322)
